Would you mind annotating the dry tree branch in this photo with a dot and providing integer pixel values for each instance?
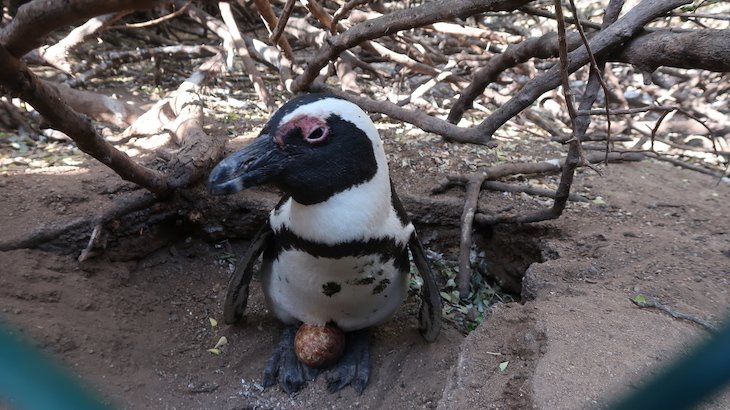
(159, 20)
(552, 166)
(198, 152)
(663, 157)
(248, 63)
(16, 78)
(471, 198)
(665, 109)
(648, 302)
(615, 34)
(419, 119)
(529, 190)
(234, 40)
(36, 19)
(575, 155)
(112, 58)
(705, 49)
(99, 107)
(271, 21)
(47, 233)
(281, 24)
(573, 159)
(412, 64)
(563, 53)
(16, 118)
(545, 46)
(542, 13)
(423, 15)
(343, 11)
(56, 55)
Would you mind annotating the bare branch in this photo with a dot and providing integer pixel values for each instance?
(38, 18)
(420, 119)
(622, 30)
(56, 55)
(425, 14)
(281, 24)
(22, 83)
(248, 63)
(267, 14)
(159, 20)
(704, 49)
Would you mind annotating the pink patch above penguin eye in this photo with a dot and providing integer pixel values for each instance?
(313, 129)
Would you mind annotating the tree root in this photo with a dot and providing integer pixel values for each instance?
(476, 182)
(51, 232)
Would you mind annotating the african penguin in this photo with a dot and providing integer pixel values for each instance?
(335, 249)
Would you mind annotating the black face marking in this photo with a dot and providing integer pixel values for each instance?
(330, 288)
(380, 287)
(315, 172)
(387, 248)
(308, 157)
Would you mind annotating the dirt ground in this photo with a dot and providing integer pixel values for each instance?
(139, 331)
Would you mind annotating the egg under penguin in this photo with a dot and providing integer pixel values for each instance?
(335, 250)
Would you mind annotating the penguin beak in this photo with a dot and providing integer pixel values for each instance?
(260, 162)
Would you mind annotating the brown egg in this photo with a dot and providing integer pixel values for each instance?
(319, 346)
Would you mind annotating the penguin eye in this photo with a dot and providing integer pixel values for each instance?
(316, 135)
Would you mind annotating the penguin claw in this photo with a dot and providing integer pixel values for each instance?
(354, 367)
(284, 368)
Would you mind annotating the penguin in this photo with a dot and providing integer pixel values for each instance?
(335, 248)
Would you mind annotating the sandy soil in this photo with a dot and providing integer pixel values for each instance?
(138, 330)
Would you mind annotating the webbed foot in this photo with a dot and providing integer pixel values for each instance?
(354, 366)
(284, 366)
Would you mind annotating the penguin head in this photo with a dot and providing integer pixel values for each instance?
(313, 147)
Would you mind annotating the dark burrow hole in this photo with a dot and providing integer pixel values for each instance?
(503, 254)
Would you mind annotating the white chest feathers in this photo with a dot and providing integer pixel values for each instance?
(343, 260)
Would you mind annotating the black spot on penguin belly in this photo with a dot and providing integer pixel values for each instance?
(330, 288)
(380, 287)
(361, 281)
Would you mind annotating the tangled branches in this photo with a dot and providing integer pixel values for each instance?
(470, 71)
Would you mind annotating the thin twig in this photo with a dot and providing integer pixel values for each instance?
(281, 24)
(471, 197)
(648, 302)
(159, 19)
(342, 12)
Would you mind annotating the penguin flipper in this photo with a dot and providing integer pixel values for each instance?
(237, 293)
(429, 316)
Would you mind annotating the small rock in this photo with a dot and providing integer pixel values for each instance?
(204, 387)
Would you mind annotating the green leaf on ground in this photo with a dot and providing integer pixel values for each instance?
(640, 299)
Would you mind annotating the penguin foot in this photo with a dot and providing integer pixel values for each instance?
(354, 366)
(284, 367)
